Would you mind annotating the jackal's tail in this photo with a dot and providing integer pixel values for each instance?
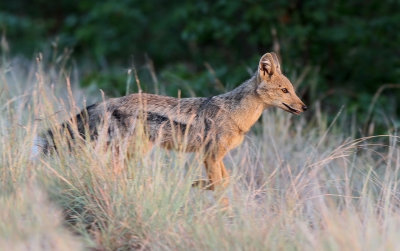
(41, 146)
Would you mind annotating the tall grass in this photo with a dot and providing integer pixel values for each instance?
(296, 184)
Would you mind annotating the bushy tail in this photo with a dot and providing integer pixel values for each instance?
(40, 147)
(44, 143)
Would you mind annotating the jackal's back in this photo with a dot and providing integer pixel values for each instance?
(190, 123)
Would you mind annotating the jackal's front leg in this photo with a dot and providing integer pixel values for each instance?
(218, 177)
(225, 175)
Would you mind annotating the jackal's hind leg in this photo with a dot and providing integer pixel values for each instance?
(131, 152)
(139, 150)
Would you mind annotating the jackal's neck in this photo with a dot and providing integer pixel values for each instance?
(244, 105)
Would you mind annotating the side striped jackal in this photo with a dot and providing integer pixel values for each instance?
(211, 125)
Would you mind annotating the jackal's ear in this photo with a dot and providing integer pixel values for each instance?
(266, 65)
(276, 61)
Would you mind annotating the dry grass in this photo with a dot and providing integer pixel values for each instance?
(296, 184)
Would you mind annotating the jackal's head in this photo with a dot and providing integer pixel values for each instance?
(274, 88)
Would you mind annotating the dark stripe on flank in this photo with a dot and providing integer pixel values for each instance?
(119, 115)
(156, 118)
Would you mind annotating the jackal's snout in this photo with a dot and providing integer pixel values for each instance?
(295, 108)
(294, 104)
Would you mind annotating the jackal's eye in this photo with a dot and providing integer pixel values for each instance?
(285, 90)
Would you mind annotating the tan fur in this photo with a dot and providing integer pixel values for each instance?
(213, 125)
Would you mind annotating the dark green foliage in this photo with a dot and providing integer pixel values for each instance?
(345, 49)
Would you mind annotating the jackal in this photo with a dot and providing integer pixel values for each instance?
(211, 125)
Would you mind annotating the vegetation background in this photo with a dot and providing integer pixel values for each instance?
(321, 181)
(343, 51)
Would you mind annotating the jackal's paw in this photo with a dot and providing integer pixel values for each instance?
(202, 184)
